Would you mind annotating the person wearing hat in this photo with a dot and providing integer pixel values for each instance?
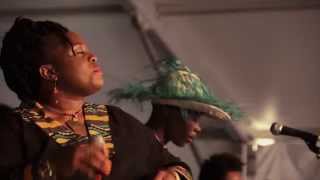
(179, 98)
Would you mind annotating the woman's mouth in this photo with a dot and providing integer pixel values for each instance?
(189, 139)
(97, 71)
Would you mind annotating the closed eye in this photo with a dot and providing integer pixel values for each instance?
(81, 53)
(80, 50)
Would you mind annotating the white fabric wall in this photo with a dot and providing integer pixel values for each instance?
(260, 60)
(289, 160)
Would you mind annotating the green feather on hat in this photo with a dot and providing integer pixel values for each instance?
(176, 85)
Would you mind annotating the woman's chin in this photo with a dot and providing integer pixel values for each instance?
(98, 83)
(95, 87)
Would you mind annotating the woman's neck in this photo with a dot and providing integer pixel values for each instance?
(157, 122)
(160, 136)
(62, 102)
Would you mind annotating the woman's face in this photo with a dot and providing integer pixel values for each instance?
(183, 131)
(76, 67)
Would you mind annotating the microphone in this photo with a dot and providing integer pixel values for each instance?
(279, 129)
(312, 140)
(99, 142)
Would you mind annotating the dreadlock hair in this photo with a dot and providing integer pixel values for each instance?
(219, 165)
(23, 52)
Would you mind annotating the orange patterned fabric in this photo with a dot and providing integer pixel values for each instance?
(96, 121)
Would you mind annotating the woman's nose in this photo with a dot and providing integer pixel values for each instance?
(93, 58)
(197, 128)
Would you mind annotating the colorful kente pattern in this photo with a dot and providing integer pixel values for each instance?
(96, 121)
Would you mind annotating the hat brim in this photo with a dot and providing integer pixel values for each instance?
(210, 110)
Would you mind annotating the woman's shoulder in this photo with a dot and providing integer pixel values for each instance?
(10, 119)
(19, 137)
(114, 112)
(14, 122)
(118, 115)
(120, 118)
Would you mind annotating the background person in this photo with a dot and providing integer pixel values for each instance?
(224, 166)
(179, 98)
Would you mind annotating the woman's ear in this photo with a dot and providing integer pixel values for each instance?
(48, 72)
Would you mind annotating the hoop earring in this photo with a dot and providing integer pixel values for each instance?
(55, 90)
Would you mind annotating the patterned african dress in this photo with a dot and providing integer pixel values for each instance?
(34, 143)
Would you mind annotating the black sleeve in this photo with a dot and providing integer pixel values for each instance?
(11, 151)
(19, 145)
(127, 129)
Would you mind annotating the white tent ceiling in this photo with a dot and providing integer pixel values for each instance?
(262, 55)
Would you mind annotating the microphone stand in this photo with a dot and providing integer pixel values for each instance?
(314, 146)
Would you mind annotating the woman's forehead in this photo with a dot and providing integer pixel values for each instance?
(75, 38)
(56, 49)
(55, 43)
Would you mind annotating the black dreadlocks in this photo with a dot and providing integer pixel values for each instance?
(23, 52)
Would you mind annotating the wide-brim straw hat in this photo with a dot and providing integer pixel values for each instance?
(210, 110)
(177, 86)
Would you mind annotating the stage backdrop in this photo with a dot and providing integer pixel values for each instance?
(265, 60)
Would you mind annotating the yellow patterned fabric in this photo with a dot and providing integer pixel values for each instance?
(96, 121)
(138, 155)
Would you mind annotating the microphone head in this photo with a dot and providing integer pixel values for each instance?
(276, 128)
